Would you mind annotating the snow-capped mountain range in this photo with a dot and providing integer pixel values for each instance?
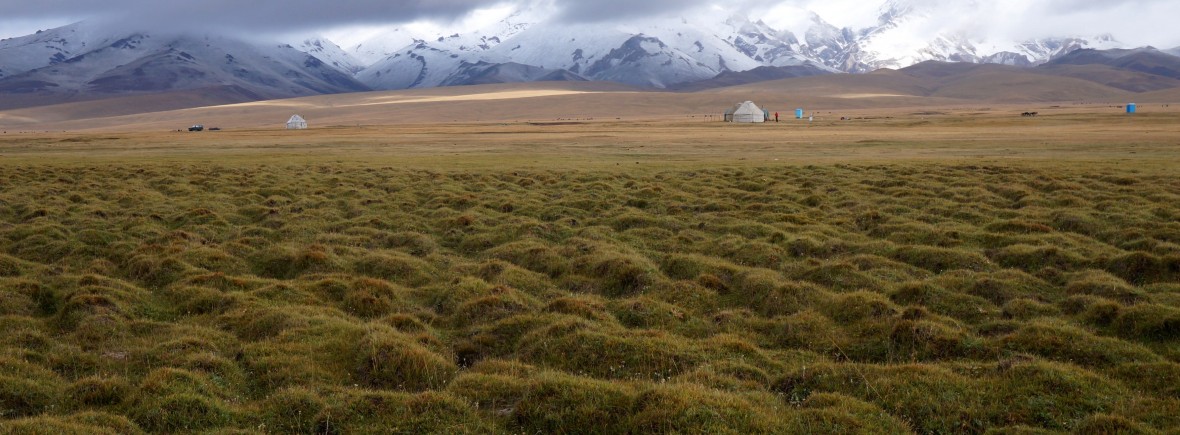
(663, 52)
(528, 44)
(902, 37)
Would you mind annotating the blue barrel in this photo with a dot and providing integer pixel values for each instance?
(798, 113)
(1131, 108)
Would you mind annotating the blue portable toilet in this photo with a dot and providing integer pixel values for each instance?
(1131, 108)
(798, 113)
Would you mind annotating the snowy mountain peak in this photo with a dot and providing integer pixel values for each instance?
(331, 54)
(92, 59)
(48, 47)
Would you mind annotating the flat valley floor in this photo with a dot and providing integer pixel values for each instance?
(945, 270)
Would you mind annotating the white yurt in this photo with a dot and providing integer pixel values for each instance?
(747, 112)
(297, 123)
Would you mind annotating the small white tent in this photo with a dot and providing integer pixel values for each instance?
(297, 123)
(747, 112)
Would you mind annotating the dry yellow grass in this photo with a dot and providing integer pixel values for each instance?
(1084, 134)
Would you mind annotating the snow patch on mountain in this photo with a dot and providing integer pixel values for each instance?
(914, 31)
(50, 47)
(331, 54)
(81, 59)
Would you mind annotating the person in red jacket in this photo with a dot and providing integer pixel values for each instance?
(775, 116)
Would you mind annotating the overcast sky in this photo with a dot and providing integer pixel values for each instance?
(1135, 22)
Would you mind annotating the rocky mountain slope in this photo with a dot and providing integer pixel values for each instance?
(85, 59)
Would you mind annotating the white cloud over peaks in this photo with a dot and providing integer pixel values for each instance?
(1135, 22)
(20, 27)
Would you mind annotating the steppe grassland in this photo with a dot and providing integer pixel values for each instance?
(918, 277)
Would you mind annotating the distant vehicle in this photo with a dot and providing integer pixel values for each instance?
(197, 127)
(215, 129)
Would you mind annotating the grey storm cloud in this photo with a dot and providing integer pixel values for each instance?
(602, 10)
(266, 15)
(1140, 21)
(289, 15)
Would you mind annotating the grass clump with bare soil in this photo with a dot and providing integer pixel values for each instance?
(341, 298)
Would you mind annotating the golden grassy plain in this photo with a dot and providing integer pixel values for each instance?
(1099, 134)
(938, 267)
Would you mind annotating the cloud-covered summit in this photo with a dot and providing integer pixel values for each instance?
(298, 15)
(1133, 21)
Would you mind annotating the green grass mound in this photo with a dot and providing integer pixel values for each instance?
(1027, 309)
(1144, 268)
(77, 424)
(429, 412)
(694, 409)
(939, 260)
(1036, 258)
(396, 267)
(1105, 423)
(608, 354)
(286, 262)
(1073, 345)
(839, 276)
(391, 360)
(558, 403)
(1104, 285)
(27, 389)
(827, 413)
(1149, 323)
(1065, 395)
(101, 391)
(535, 256)
(964, 307)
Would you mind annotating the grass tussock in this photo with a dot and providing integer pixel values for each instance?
(352, 298)
(79, 424)
(940, 260)
(391, 360)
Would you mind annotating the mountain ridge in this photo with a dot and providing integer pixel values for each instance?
(665, 53)
(82, 61)
(691, 52)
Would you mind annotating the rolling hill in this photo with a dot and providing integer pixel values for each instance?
(1145, 60)
(1119, 78)
(925, 85)
(1165, 96)
(1007, 84)
(760, 74)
